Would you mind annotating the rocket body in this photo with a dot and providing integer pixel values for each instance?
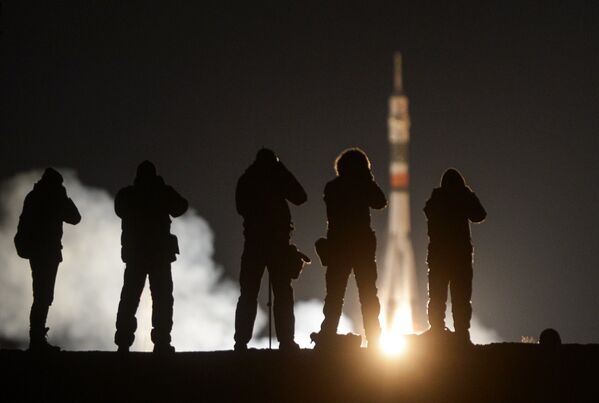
(399, 282)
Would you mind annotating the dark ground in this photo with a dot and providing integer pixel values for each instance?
(498, 372)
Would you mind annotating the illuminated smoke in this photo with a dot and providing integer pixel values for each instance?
(479, 333)
(90, 277)
(397, 317)
(398, 288)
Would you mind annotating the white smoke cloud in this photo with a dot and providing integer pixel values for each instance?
(479, 333)
(90, 277)
(308, 317)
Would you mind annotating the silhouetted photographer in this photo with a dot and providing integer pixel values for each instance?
(261, 199)
(350, 243)
(148, 249)
(449, 211)
(38, 239)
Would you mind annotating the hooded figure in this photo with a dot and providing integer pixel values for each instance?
(351, 243)
(261, 199)
(449, 212)
(38, 239)
(148, 249)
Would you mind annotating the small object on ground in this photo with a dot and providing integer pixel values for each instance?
(349, 341)
(550, 338)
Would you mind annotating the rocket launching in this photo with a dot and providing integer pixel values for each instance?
(398, 287)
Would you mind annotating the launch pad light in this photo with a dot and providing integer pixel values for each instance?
(393, 345)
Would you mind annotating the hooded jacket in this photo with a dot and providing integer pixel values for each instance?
(145, 209)
(261, 199)
(348, 201)
(46, 207)
(450, 210)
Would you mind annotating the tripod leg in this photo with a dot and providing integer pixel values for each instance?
(269, 313)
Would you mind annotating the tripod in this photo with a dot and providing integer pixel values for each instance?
(269, 304)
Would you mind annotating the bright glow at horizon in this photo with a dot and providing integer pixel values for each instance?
(393, 340)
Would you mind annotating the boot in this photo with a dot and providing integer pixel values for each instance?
(39, 344)
(435, 333)
(164, 348)
(320, 338)
(289, 346)
(463, 337)
(240, 347)
(123, 349)
(323, 340)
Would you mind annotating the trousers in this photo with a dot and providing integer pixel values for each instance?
(453, 274)
(43, 273)
(337, 276)
(161, 289)
(255, 259)
(352, 252)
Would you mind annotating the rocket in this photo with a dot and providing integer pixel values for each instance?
(398, 291)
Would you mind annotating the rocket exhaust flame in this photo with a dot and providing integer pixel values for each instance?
(398, 293)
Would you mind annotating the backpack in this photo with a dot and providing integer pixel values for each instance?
(23, 243)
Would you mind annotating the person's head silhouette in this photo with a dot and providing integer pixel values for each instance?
(353, 163)
(52, 177)
(266, 157)
(146, 169)
(452, 180)
(146, 172)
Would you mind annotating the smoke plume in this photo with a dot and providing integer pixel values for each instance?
(90, 277)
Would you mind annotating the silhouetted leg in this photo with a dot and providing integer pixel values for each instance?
(283, 305)
(43, 272)
(161, 287)
(252, 268)
(461, 293)
(336, 282)
(365, 273)
(438, 282)
(126, 323)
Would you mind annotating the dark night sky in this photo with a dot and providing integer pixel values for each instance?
(507, 93)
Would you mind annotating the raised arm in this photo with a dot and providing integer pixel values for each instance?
(431, 203)
(70, 214)
(121, 205)
(476, 211)
(69, 211)
(177, 205)
(376, 197)
(241, 203)
(292, 189)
